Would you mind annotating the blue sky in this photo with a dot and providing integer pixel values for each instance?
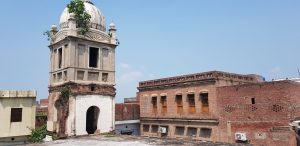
(160, 39)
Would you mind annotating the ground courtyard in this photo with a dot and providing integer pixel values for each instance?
(127, 141)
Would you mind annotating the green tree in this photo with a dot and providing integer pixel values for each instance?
(82, 18)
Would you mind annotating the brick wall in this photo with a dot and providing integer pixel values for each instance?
(262, 110)
(125, 112)
(44, 102)
(170, 93)
(258, 110)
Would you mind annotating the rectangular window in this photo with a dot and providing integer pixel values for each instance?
(59, 58)
(104, 77)
(145, 128)
(154, 129)
(55, 62)
(179, 103)
(179, 130)
(54, 77)
(154, 104)
(205, 132)
(163, 100)
(65, 75)
(16, 115)
(191, 100)
(94, 54)
(59, 76)
(191, 131)
(204, 101)
(253, 100)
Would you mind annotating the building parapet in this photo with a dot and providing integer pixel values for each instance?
(130, 100)
(127, 122)
(216, 121)
(212, 75)
(17, 93)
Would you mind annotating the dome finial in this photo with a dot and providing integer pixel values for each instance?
(112, 25)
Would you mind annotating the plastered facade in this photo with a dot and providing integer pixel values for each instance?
(85, 66)
(106, 117)
(14, 131)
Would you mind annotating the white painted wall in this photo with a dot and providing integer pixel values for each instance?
(106, 117)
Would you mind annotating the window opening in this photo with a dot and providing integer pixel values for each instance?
(164, 103)
(179, 104)
(205, 132)
(93, 62)
(104, 77)
(154, 129)
(204, 101)
(154, 104)
(179, 130)
(191, 100)
(16, 115)
(253, 100)
(145, 128)
(192, 132)
(59, 58)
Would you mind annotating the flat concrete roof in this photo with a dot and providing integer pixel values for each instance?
(18, 93)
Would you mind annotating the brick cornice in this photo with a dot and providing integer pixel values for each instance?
(86, 89)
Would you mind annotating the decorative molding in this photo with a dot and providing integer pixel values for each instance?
(59, 36)
(94, 36)
(86, 89)
(213, 75)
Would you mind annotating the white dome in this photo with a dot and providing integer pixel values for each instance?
(97, 20)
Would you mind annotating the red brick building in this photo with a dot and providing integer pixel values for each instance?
(129, 110)
(41, 113)
(209, 106)
(127, 116)
(262, 111)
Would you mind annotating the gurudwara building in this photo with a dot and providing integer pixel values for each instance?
(84, 66)
(220, 107)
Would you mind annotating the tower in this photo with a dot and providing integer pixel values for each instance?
(82, 76)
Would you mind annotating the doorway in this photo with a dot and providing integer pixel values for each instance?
(92, 115)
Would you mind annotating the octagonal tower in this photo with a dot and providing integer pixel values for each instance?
(84, 67)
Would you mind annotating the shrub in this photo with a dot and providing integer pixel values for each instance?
(37, 135)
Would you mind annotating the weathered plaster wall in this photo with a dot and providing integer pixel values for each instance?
(106, 117)
(17, 99)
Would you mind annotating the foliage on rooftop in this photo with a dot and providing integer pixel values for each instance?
(82, 18)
